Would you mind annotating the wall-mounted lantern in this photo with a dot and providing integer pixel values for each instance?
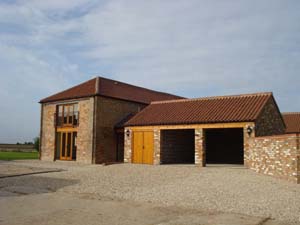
(249, 130)
(127, 133)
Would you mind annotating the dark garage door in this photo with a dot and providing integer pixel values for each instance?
(224, 146)
(177, 146)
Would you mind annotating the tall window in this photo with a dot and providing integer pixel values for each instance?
(67, 115)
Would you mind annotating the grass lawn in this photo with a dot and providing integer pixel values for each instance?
(18, 155)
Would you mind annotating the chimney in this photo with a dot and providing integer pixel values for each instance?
(97, 85)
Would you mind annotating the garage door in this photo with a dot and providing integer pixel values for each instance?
(142, 147)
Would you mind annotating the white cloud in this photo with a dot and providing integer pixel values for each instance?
(26, 78)
(191, 48)
(232, 47)
(54, 4)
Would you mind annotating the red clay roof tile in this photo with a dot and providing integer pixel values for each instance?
(221, 109)
(110, 88)
(292, 122)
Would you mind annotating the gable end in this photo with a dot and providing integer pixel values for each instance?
(270, 121)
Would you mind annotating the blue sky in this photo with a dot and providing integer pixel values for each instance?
(191, 48)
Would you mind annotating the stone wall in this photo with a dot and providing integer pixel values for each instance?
(48, 132)
(128, 146)
(270, 121)
(277, 156)
(247, 137)
(199, 147)
(109, 112)
(85, 131)
(156, 151)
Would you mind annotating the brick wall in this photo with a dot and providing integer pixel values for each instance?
(269, 121)
(85, 131)
(109, 112)
(48, 132)
(276, 156)
(177, 146)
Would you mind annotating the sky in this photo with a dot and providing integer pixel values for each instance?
(192, 48)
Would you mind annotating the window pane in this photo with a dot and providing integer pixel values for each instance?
(74, 145)
(65, 117)
(75, 117)
(70, 112)
(69, 144)
(58, 142)
(70, 118)
(75, 107)
(63, 144)
(59, 115)
(60, 109)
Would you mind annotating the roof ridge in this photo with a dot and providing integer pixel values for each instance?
(101, 86)
(290, 113)
(135, 86)
(213, 97)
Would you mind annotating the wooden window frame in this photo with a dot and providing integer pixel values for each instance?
(70, 115)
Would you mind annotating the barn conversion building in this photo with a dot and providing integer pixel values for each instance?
(104, 121)
(79, 123)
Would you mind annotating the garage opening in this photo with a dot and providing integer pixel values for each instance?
(177, 146)
(224, 146)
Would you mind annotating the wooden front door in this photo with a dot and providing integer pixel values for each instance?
(66, 146)
(143, 147)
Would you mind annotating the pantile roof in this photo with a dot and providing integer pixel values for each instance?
(110, 88)
(292, 122)
(221, 109)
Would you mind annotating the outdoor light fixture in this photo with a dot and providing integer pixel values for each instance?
(249, 130)
(127, 133)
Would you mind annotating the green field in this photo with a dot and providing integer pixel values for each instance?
(18, 155)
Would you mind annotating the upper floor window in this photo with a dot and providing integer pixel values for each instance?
(67, 115)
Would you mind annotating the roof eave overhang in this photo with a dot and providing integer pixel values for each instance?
(194, 123)
(87, 96)
(64, 99)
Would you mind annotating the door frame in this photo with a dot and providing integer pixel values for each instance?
(64, 149)
(58, 146)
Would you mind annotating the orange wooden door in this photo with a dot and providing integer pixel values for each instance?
(137, 156)
(148, 147)
(143, 147)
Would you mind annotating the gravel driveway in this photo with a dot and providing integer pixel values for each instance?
(214, 188)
